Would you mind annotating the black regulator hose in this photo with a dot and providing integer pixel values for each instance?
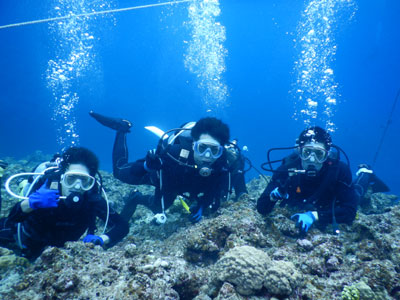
(101, 182)
(252, 166)
(269, 162)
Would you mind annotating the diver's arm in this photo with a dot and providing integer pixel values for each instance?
(345, 208)
(20, 211)
(117, 227)
(17, 214)
(264, 203)
(345, 200)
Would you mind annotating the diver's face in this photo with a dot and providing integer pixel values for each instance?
(313, 155)
(206, 150)
(76, 179)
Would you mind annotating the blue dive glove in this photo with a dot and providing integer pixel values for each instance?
(196, 217)
(44, 198)
(153, 161)
(94, 239)
(304, 220)
(276, 195)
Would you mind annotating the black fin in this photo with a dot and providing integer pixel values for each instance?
(378, 186)
(113, 123)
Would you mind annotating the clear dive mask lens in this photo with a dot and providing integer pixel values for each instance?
(319, 154)
(72, 179)
(215, 150)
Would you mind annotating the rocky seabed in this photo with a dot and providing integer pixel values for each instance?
(234, 254)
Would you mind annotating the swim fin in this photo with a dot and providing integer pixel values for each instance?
(113, 123)
(377, 185)
(366, 177)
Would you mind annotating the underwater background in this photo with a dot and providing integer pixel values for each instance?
(267, 68)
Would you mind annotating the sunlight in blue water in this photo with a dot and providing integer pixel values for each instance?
(315, 87)
(205, 55)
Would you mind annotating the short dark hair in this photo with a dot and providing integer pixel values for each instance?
(80, 155)
(212, 126)
(315, 134)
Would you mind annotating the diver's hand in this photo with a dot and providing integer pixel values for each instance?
(276, 195)
(94, 239)
(304, 220)
(196, 214)
(153, 161)
(44, 198)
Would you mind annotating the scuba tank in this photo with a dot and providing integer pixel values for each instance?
(27, 184)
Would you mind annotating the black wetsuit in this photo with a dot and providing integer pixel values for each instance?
(332, 185)
(55, 226)
(177, 178)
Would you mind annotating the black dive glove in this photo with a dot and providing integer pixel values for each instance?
(153, 161)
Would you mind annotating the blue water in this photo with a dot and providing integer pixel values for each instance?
(137, 72)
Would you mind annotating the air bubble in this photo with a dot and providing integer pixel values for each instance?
(205, 53)
(315, 86)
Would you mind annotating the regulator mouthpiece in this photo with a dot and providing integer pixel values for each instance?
(205, 171)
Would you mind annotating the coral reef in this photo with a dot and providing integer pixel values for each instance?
(282, 278)
(245, 267)
(233, 254)
(350, 293)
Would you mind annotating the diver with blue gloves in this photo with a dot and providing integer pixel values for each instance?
(61, 203)
(191, 162)
(314, 180)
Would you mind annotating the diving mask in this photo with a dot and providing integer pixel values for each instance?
(320, 154)
(77, 180)
(207, 148)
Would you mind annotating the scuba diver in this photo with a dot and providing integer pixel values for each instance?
(192, 163)
(315, 181)
(60, 205)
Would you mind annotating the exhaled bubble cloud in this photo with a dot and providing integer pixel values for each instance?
(205, 54)
(316, 89)
(73, 58)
